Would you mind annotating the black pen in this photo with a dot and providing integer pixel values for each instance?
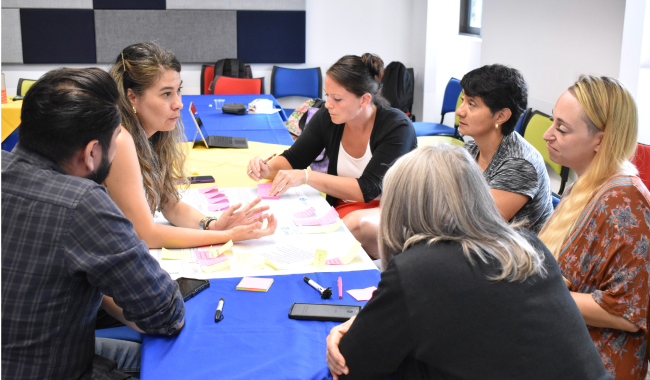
(218, 315)
(324, 293)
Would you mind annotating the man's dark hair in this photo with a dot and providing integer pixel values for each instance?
(66, 109)
(500, 87)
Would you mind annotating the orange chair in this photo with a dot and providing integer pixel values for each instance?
(238, 86)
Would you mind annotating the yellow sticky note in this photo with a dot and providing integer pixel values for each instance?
(214, 252)
(176, 255)
(319, 259)
(347, 259)
(258, 262)
(270, 263)
(195, 172)
(321, 229)
(244, 260)
(216, 267)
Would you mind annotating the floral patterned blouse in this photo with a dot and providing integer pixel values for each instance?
(607, 256)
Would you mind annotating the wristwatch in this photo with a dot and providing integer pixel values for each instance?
(205, 222)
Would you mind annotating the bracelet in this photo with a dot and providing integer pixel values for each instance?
(205, 222)
(306, 176)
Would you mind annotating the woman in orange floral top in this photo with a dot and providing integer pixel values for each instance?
(600, 231)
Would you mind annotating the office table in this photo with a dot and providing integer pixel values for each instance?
(256, 339)
(255, 127)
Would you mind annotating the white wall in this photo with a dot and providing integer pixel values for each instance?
(388, 28)
(552, 42)
(643, 92)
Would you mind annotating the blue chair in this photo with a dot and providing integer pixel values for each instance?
(450, 102)
(296, 82)
(556, 200)
(523, 120)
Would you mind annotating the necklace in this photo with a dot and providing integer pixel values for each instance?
(483, 159)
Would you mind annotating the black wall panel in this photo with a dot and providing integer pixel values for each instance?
(58, 35)
(271, 36)
(129, 4)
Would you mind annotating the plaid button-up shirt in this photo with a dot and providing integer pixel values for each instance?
(64, 244)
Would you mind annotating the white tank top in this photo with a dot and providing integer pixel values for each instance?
(348, 166)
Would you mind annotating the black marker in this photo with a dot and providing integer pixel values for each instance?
(218, 315)
(324, 293)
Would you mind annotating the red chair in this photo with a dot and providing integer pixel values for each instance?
(207, 76)
(238, 86)
(642, 162)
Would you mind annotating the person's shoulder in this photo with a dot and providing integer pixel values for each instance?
(518, 147)
(626, 186)
(124, 140)
(425, 256)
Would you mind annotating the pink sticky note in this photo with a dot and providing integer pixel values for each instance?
(255, 284)
(263, 191)
(218, 194)
(214, 201)
(329, 218)
(202, 254)
(208, 189)
(215, 260)
(362, 294)
(334, 261)
(304, 213)
(218, 207)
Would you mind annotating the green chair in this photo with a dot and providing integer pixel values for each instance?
(24, 85)
(533, 131)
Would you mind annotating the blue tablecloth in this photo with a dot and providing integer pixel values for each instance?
(261, 128)
(256, 339)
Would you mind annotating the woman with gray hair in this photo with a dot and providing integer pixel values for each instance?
(464, 294)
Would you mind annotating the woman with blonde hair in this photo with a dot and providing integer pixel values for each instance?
(150, 160)
(464, 294)
(600, 231)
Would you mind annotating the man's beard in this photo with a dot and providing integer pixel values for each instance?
(99, 175)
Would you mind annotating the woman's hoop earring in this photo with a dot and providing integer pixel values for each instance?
(134, 111)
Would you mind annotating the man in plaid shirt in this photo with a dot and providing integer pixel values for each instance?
(66, 247)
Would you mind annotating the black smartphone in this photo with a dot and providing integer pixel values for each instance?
(323, 312)
(191, 286)
(201, 179)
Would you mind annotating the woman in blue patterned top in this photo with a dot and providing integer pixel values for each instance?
(494, 97)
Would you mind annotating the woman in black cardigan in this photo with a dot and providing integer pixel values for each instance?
(360, 132)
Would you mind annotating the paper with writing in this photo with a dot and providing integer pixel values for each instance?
(212, 189)
(304, 213)
(319, 259)
(334, 261)
(321, 229)
(330, 217)
(263, 191)
(218, 206)
(181, 254)
(287, 256)
(213, 268)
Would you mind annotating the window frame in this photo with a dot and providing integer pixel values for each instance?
(464, 27)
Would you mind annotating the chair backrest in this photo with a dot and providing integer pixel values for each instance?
(450, 100)
(522, 120)
(238, 86)
(24, 85)
(296, 82)
(538, 123)
(642, 161)
(207, 77)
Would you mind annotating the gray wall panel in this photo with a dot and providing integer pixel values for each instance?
(73, 4)
(244, 5)
(12, 46)
(194, 36)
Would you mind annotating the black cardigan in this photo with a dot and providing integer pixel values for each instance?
(435, 315)
(392, 136)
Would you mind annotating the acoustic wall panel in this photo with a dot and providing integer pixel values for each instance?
(271, 36)
(69, 4)
(268, 5)
(12, 47)
(194, 36)
(129, 4)
(58, 35)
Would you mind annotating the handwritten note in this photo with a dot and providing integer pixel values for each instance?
(183, 254)
(304, 213)
(255, 284)
(330, 217)
(362, 294)
(211, 189)
(263, 191)
(216, 260)
(218, 207)
(287, 256)
(202, 253)
(319, 259)
(217, 200)
(218, 194)
(321, 229)
(216, 252)
(334, 261)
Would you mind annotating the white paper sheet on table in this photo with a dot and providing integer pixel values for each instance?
(287, 233)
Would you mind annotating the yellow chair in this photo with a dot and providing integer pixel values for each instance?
(24, 85)
(434, 140)
(533, 131)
